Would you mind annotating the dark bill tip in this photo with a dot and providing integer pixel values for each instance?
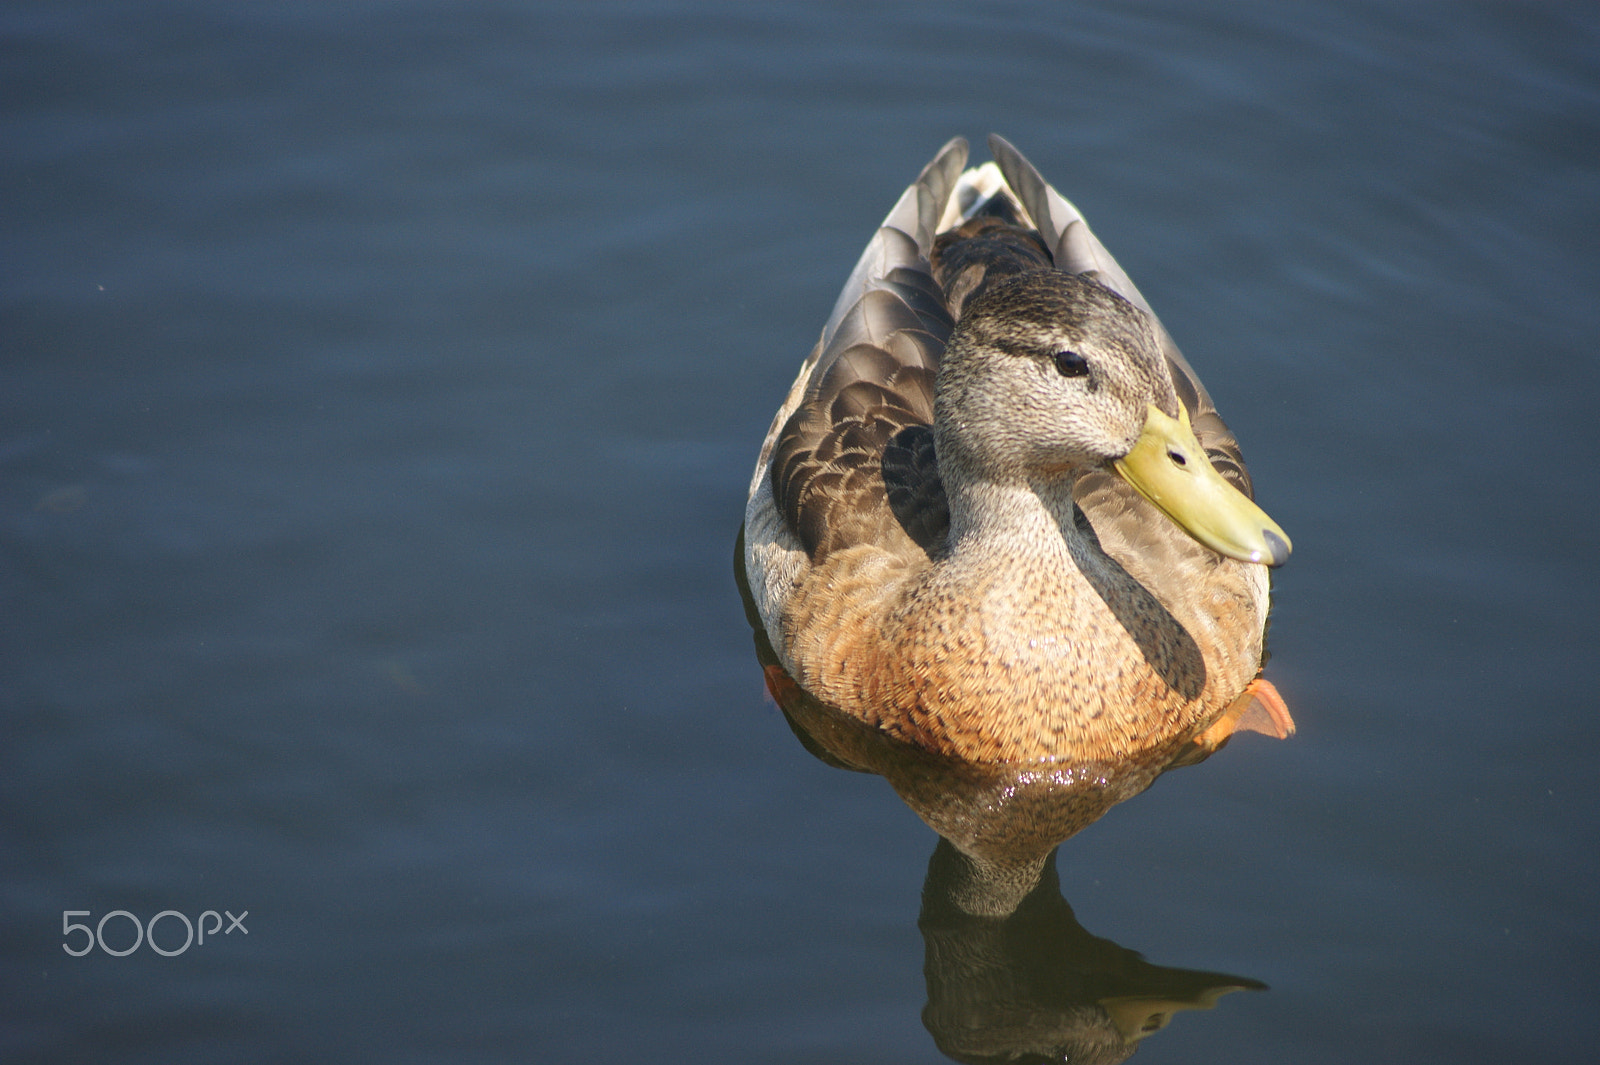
(1278, 546)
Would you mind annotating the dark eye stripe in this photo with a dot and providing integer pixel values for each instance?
(1071, 364)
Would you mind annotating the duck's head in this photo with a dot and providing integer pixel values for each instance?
(1048, 373)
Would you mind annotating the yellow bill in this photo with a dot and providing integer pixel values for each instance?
(1169, 468)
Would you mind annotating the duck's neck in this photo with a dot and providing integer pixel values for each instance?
(1013, 521)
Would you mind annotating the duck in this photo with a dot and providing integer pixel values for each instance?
(997, 517)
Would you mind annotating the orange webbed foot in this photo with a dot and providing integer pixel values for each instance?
(1259, 708)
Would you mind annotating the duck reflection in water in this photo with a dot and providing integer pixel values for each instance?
(999, 545)
(1034, 986)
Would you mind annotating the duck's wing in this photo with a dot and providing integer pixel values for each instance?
(1076, 250)
(853, 463)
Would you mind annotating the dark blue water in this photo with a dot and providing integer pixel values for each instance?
(381, 383)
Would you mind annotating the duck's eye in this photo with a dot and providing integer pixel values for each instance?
(1071, 364)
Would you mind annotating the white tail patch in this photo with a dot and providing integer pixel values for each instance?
(975, 188)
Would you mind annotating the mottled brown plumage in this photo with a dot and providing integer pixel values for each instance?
(936, 541)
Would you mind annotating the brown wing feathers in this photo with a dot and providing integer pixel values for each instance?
(828, 464)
